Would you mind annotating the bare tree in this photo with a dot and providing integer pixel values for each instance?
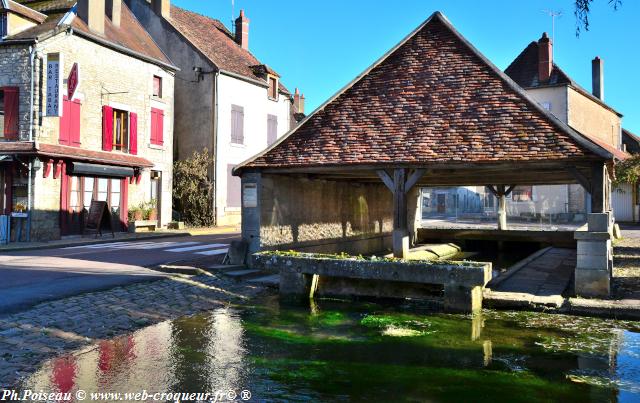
(582, 10)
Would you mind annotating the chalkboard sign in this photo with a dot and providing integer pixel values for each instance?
(98, 217)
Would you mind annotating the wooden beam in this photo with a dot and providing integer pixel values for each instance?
(399, 199)
(492, 190)
(581, 178)
(414, 178)
(386, 179)
(509, 190)
(598, 201)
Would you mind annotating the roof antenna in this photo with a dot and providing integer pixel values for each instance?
(553, 15)
(233, 14)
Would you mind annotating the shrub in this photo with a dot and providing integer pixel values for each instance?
(192, 189)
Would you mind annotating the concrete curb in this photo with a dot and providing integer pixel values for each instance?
(91, 242)
(516, 267)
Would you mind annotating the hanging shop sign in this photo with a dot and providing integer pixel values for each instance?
(73, 81)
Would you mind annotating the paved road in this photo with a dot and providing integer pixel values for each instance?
(30, 277)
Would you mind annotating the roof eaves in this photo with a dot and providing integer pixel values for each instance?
(124, 49)
(24, 11)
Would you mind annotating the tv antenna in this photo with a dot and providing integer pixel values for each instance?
(553, 15)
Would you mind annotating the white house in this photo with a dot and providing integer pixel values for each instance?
(226, 100)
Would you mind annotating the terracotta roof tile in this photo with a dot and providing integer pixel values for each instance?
(434, 99)
(130, 35)
(216, 42)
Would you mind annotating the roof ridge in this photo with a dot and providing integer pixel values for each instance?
(580, 139)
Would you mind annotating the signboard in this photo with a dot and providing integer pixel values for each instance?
(250, 195)
(54, 84)
(98, 217)
(73, 81)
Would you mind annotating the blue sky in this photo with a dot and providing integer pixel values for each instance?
(319, 46)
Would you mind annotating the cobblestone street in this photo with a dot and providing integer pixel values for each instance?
(626, 268)
(29, 338)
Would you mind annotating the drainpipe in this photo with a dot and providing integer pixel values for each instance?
(32, 57)
(215, 148)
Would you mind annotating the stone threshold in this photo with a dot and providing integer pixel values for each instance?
(628, 309)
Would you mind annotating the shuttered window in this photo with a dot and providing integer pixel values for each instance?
(237, 124)
(70, 123)
(272, 129)
(9, 103)
(157, 126)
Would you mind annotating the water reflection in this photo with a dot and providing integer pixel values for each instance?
(336, 351)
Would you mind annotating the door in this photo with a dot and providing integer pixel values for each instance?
(442, 203)
(82, 191)
(156, 193)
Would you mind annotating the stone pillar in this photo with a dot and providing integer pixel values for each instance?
(462, 299)
(400, 233)
(251, 191)
(414, 218)
(594, 264)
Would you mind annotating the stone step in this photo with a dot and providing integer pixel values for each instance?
(244, 274)
(226, 267)
(272, 280)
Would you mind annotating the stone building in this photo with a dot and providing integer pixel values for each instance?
(87, 104)
(227, 101)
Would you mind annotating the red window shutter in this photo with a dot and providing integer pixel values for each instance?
(133, 133)
(74, 125)
(107, 128)
(124, 203)
(11, 106)
(154, 122)
(160, 128)
(65, 120)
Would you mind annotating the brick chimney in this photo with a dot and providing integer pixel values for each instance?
(242, 31)
(92, 13)
(298, 101)
(597, 77)
(162, 8)
(114, 10)
(545, 58)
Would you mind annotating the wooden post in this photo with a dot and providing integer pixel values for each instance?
(400, 185)
(598, 186)
(502, 208)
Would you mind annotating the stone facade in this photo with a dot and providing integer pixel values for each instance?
(319, 216)
(107, 77)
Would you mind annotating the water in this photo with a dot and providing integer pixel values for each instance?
(356, 351)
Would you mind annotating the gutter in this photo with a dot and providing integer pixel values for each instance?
(244, 78)
(123, 49)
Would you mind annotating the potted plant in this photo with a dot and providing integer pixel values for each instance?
(152, 209)
(135, 214)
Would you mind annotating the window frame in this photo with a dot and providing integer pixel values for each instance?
(2, 112)
(159, 93)
(124, 131)
(235, 139)
(272, 92)
(518, 191)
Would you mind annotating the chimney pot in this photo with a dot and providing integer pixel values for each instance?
(92, 12)
(545, 58)
(298, 101)
(597, 77)
(242, 31)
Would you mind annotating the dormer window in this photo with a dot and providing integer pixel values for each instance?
(3, 25)
(273, 87)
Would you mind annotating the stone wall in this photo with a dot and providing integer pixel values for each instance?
(324, 216)
(15, 71)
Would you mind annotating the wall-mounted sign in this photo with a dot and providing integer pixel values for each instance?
(73, 81)
(250, 195)
(54, 84)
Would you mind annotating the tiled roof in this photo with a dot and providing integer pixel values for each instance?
(24, 11)
(432, 99)
(130, 35)
(524, 71)
(216, 42)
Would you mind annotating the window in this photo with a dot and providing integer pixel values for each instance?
(522, 194)
(157, 86)
(3, 25)
(9, 101)
(273, 88)
(546, 105)
(120, 129)
(272, 129)
(157, 126)
(233, 188)
(237, 124)
(70, 123)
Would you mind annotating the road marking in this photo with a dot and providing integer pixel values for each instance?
(197, 247)
(100, 245)
(162, 245)
(213, 252)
